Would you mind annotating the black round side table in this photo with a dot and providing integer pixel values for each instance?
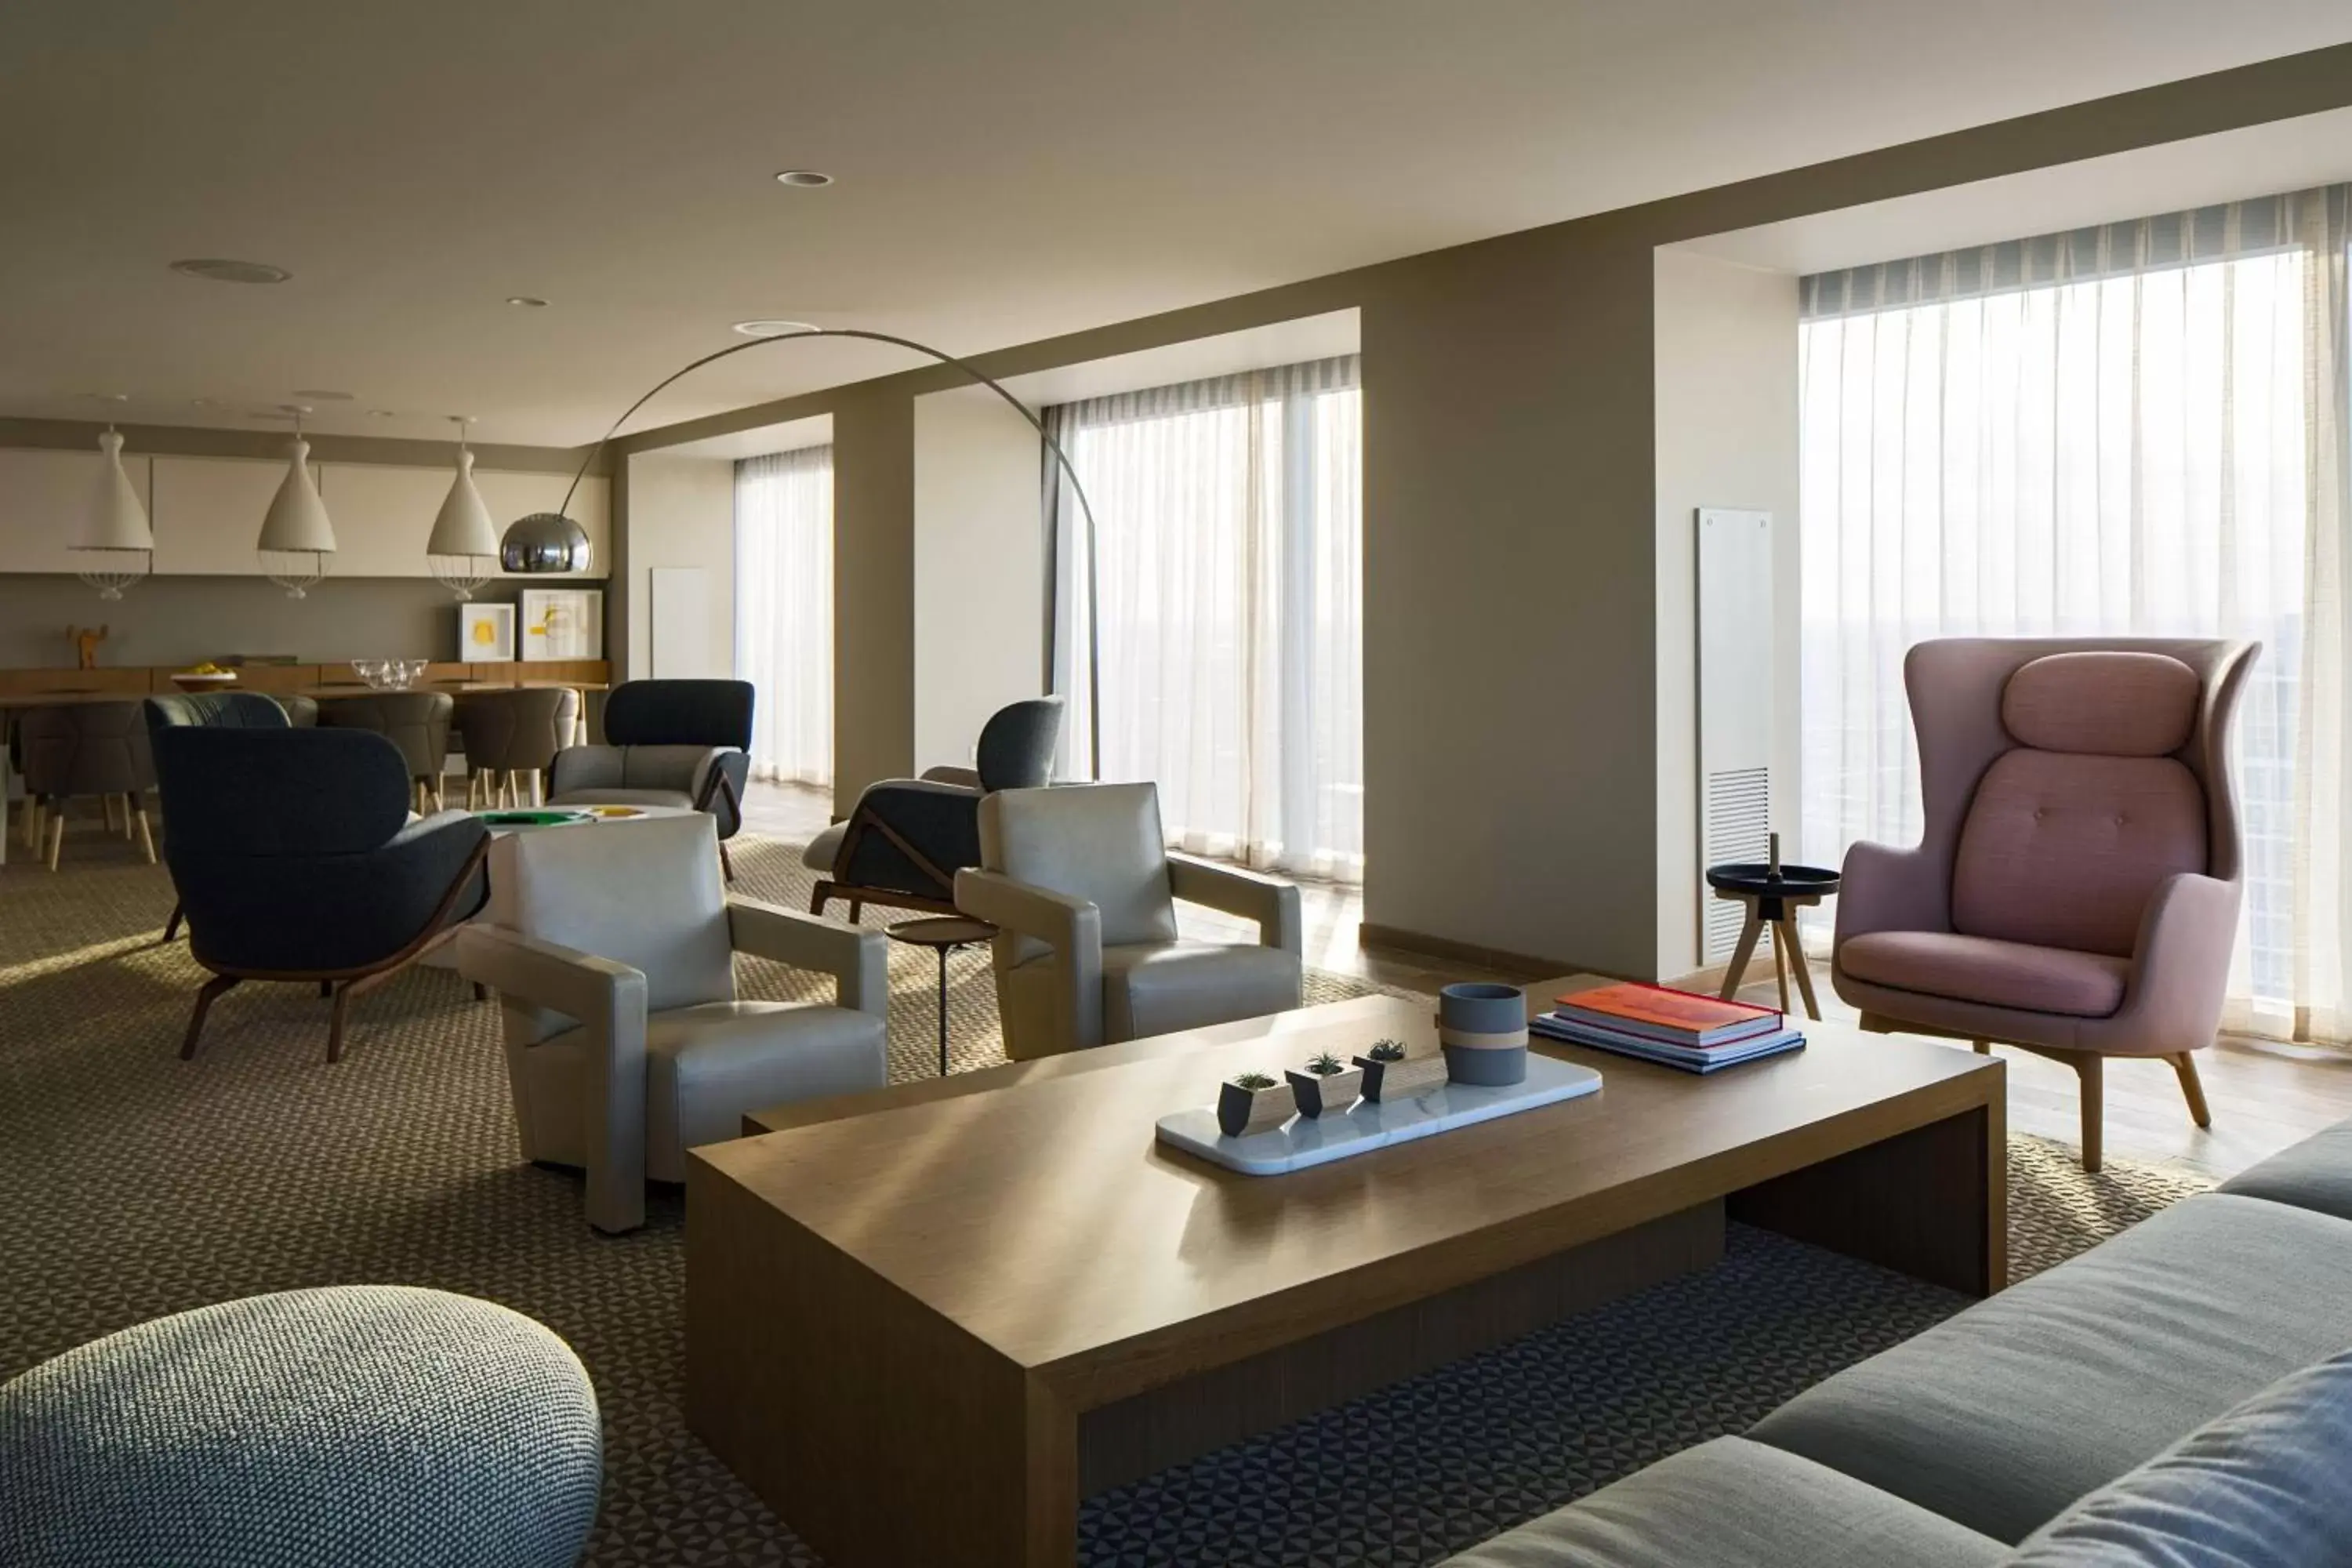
(1773, 893)
(943, 934)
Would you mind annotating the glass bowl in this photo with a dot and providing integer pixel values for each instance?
(389, 674)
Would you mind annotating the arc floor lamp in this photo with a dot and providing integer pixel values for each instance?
(552, 542)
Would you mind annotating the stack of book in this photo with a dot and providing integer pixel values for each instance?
(1696, 1034)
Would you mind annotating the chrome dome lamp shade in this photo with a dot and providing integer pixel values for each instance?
(545, 541)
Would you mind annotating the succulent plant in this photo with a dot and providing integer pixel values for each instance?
(1252, 1082)
(1387, 1051)
(1324, 1064)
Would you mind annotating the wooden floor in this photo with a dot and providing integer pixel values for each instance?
(2264, 1095)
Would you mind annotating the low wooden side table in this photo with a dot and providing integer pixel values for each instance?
(1773, 893)
(942, 934)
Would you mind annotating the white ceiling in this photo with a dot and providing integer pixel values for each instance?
(2261, 160)
(1005, 173)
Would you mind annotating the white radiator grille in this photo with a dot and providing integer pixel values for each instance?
(1736, 723)
(1739, 823)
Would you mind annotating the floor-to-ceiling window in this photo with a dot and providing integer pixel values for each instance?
(2137, 428)
(1210, 635)
(783, 610)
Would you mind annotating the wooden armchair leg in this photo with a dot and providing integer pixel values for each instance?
(335, 1020)
(2192, 1089)
(2092, 1071)
(205, 997)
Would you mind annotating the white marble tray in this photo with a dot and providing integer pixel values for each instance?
(1305, 1141)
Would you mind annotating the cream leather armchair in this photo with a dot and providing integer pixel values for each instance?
(1079, 884)
(612, 949)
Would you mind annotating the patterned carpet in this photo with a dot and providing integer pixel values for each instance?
(136, 1184)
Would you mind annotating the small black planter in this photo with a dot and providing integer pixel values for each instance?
(1241, 1111)
(1321, 1092)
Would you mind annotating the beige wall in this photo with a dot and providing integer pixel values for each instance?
(681, 512)
(873, 590)
(1511, 516)
(979, 565)
(1726, 436)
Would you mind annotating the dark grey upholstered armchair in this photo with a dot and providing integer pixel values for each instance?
(80, 749)
(508, 734)
(219, 710)
(906, 839)
(418, 722)
(295, 856)
(667, 742)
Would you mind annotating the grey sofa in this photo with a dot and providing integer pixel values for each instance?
(2020, 1416)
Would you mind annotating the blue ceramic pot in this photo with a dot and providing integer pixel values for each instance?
(1478, 1008)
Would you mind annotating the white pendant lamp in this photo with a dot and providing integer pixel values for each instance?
(463, 551)
(296, 536)
(116, 545)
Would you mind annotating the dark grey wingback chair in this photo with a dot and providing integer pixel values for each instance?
(667, 742)
(219, 710)
(295, 856)
(903, 843)
(508, 734)
(415, 722)
(79, 748)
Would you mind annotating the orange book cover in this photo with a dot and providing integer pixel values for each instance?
(1657, 1010)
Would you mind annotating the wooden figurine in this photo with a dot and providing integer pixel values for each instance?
(85, 641)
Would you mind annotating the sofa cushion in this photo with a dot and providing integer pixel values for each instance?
(2264, 1486)
(2316, 1174)
(2107, 700)
(2063, 850)
(2002, 1416)
(1159, 988)
(1982, 969)
(708, 1066)
(1732, 1503)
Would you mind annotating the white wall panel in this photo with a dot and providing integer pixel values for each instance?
(44, 498)
(208, 512)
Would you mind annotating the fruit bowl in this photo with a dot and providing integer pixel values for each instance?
(203, 680)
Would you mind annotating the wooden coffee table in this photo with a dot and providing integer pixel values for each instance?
(924, 1322)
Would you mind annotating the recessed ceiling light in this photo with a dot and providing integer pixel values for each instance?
(316, 395)
(199, 402)
(773, 328)
(221, 271)
(108, 397)
(383, 413)
(525, 300)
(803, 179)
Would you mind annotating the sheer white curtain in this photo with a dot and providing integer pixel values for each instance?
(783, 610)
(2132, 429)
(1215, 637)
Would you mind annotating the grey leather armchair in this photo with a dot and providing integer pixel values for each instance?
(669, 742)
(1080, 886)
(612, 949)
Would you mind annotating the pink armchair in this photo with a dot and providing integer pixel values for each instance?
(2076, 890)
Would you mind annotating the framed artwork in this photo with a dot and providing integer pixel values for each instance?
(563, 623)
(485, 633)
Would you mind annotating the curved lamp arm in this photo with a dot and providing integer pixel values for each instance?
(1086, 508)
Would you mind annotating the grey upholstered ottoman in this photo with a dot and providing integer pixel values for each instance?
(356, 1426)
